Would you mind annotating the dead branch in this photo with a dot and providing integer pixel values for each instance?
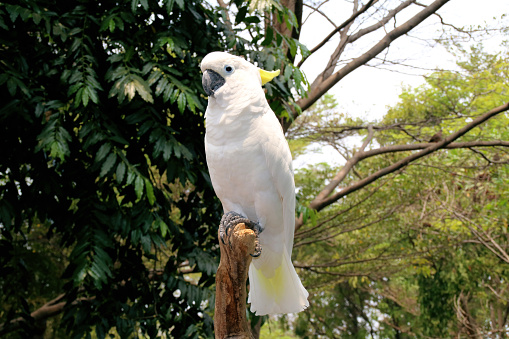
(230, 309)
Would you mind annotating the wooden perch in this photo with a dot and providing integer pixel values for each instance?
(230, 319)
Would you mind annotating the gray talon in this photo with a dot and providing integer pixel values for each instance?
(230, 220)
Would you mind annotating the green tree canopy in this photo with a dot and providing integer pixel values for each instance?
(97, 164)
(106, 205)
(421, 252)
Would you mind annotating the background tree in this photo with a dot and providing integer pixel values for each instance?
(107, 215)
(424, 248)
(97, 97)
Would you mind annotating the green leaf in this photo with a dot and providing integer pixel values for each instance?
(108, 164)
(111, 25)
(134, 5)
(138, 186)
(181, 4)
(93, 95)
(84, 97)
(102, 152)
(182, 102)
(163, 228)
(120, 23)
(161, 85)
(11, 86)
(252, 20)
(241, 15)
(150, 192)
(120, 173)
(13, 11)
(269, 36)
(293, 46)
(169, 5)
(79, 96)
(137, 83)
(167, 150)
(174, 95)
(279, 39)
(130, 177)
(2, 24)
(146, 243)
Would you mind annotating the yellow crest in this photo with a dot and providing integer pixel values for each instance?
(268, 76)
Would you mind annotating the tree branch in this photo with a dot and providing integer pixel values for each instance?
(481, 234)
(43, 313)
(323, 200)
(337, 29)
(382, 22)
(344, 171)
(322, 88)
(317, 10)
(230, 308)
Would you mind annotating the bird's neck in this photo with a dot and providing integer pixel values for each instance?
(233, 121)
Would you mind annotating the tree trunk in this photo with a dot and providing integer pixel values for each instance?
(230, 319)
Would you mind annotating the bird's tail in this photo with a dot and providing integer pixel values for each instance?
(276, 291)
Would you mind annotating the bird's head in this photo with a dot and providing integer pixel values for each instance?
(220, 68)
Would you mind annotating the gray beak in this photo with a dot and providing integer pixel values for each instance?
(211, 82)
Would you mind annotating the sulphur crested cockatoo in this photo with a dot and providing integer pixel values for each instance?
(250, 166)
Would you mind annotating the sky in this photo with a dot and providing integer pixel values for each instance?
(368, 91)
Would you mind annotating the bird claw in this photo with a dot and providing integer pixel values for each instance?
(232, 219)
(258, 250)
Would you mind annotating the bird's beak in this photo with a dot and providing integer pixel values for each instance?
(211, 82)
(268, 76)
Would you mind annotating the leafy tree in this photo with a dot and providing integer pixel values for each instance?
(426, 245)
(107, 215)
(104, 189)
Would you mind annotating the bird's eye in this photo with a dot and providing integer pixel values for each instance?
(229, 69)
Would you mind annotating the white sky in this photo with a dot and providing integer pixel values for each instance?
(367, 91)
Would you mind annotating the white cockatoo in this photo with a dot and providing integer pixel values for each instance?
(250, 166)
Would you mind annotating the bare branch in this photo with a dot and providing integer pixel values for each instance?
(321, 201)
(337, 29)
(316, 9)
(321, 88)
(387, 215)
(485, 239)
(344, 171)
(382, 22)
(413, 147)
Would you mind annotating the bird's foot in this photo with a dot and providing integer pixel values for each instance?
(232, 219)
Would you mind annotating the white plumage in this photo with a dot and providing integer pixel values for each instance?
(250, 166)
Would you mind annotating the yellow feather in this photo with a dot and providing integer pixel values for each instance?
(268, 76)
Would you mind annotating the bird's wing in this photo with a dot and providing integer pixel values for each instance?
(279, 161)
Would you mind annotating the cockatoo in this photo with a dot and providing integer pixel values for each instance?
(250, 166)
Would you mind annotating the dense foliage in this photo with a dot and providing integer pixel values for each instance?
(106, 204)
(99, 98)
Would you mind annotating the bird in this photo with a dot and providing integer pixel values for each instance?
(436, 137)
(250, 167)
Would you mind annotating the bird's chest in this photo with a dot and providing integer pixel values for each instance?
(239, 162)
